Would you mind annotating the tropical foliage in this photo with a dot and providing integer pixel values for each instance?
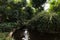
(17, 13)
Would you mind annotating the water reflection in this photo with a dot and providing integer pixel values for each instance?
(26, 35)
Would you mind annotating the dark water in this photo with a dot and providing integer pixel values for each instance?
(35, 35)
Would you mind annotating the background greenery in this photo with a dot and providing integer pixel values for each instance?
(16, 13)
